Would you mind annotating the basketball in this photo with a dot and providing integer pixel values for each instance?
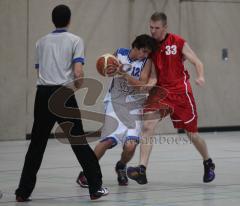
(104, 62)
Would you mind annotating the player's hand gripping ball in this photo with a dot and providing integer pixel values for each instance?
(107, 65)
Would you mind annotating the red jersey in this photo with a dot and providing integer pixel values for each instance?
(168, 61)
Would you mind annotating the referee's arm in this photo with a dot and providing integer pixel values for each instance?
(78, 74)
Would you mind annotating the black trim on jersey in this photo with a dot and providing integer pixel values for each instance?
(159, 43)
(112, 85)
(130, 60)
(116, 52)
(144, 62)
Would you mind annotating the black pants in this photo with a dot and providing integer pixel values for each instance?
(44, 121)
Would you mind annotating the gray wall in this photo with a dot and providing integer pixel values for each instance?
(13, 72)
(210, 27)
(108, 24)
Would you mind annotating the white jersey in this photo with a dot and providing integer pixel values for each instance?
(55, 54)
(119, 90)
(124, 103)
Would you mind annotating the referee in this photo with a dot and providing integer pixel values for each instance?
(59, 61)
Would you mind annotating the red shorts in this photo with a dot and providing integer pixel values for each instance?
(180, 106)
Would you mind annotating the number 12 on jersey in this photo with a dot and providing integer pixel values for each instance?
(136, 71)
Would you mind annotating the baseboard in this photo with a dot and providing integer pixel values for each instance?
(216, 129)
(200, 129)
(93, 135)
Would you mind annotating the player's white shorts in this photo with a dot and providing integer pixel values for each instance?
(129, 123)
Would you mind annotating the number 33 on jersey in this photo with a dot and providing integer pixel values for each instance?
(171, 50)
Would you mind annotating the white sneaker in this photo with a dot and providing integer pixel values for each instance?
(103, 191)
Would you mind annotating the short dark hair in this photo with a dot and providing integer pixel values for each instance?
(145, 41)
(61, 16)
(159, 16)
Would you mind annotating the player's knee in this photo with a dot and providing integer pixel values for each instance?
(109, 142)
(147, 128)
(130, 146)
(193, 136)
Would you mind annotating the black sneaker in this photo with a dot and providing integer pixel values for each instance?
(121, 171)
(209, 168)
(138, 174)
(101, 192)
(22, 199)
(82, 180)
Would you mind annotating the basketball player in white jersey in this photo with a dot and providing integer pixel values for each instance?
(123, 102)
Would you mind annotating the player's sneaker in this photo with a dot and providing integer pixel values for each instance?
(22, 199)
(209, 168)
(82, 180)
(101, 192)
(138, 174)
(121, 171)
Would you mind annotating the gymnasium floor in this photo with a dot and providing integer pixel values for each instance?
(174, 175)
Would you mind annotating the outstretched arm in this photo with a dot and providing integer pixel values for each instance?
(192, 57)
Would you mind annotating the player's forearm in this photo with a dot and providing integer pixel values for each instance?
(138, 84)
(192, 57)
(152, 82)
(199, 69)
(153, 78)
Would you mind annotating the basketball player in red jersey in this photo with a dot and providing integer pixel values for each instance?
(179, 101)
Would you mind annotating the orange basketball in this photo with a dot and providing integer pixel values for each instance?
(103, 63)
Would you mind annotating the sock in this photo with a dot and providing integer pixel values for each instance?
(142, 167)
(207, 161)
(120, 165)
